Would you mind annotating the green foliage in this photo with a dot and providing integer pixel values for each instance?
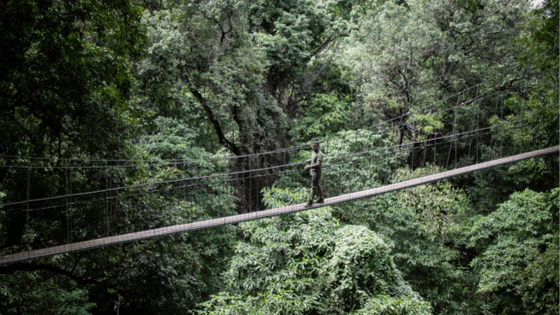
(156, 275)
(75, 303)
(514, 239)
(533, 122)
(410, 60)
(291, 30)
(172, 138)
(420, 224)
(65, 81)
(308, 262)
(64, 93)
(196, 80)
(393, 54)
(325, 116)
(541, 38)
(28, 293)
(66, 88)
(530, 118)
(386, 305)
(202, 66)
(291, 33)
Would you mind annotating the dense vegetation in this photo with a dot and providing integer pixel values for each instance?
(154, 80)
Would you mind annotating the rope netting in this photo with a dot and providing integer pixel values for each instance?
(73, 201)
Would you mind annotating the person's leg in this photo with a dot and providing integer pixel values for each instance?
(319, 188)
(313, 191)
(310, 202)
(320, 194)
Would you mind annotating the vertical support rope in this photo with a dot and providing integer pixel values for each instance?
(473, 119)
(502, 126)
(477, 126)
(425, 149)
(66, 190)
(340, 187)
(70, 199)
(28, 196)
(412, 160)
(106, 197)
(522, 107)
(250, 186)
(368, 150)
(371, 153)
(435, 146)
(111, 171)
(260, 178)
(456, 140)
(454, 132)
(353, 170)
(491, 150)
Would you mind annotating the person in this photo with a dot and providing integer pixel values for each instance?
(315, 166)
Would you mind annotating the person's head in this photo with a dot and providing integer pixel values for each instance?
(315, 145)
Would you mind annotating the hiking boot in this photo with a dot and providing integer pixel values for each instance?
(320, 201)
(309, 203)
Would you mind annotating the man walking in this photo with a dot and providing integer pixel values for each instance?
(316, 161)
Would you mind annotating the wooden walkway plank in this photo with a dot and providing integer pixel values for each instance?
(200, 225)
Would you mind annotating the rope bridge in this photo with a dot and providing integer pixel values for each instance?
(88, 203)
(113, 240)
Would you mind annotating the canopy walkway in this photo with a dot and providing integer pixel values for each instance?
(194, 226)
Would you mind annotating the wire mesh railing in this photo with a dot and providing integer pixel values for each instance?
(70, 201)
(205, 224)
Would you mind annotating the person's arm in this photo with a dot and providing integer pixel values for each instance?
(318, 164)
(307, 166)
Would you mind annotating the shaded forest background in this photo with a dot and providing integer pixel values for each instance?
(147, 80)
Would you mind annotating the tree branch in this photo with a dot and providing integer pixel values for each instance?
(215, 122)
(324, 44)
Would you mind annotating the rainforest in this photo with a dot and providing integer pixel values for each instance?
(132, 116)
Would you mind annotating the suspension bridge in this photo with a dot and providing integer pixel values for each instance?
(189, 227)
(242, 178)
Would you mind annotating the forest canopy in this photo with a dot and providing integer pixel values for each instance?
(130, 101)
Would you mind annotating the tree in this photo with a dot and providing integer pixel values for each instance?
(535, 110)
(517, 269)
(237, 67)
(64, 89)
(530, 119)
(65, 79)
(65, 93)
(310, 263)
(409, 61)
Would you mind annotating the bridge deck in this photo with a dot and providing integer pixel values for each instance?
(113, 240)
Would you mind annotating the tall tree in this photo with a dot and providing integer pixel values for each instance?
(64, 90)
(65, 78)
(410, 58)
(239, 65)
(307, 263)
(518, 272)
